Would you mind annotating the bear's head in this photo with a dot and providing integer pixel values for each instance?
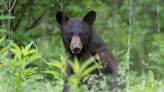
(76, 32)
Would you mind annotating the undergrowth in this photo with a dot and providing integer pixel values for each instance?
(20, 71)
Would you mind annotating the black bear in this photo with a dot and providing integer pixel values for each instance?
(80, 38)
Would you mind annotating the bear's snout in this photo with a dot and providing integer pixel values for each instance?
(75, 45)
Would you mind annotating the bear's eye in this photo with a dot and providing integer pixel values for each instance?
(70, 33)
(81, 34)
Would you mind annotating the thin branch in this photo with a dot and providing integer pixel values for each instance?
(12, 5)
(5, 4)
(158, 38)
(13, 9)
(61, 4)
(9, 21)
(21, 12)
(129, 44)
(36, 22)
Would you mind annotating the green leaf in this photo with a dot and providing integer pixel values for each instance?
(15, 45)
(25, 52)
(56, 64)
(89, 70)
(2, 39)
(29, 71)
(6, 17)
(28, 46)
(5, 48)
(73, 80)
(76, 66)
(54, 73)
(31, 51)
(63, 61)
(16, 52)
(151, 76)
(86, 64)
(3, 30)
(33, 58)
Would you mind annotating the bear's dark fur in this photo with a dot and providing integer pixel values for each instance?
(80, 38)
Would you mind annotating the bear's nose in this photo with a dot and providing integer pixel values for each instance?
(76, 49)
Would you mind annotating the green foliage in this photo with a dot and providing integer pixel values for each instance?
(14, 68)
(85, 68)
(6, 17)
(157, 55)
(40, 67)
(80, 71)
(147, 84)
(59, 71)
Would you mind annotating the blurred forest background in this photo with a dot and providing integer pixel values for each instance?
(31, 44)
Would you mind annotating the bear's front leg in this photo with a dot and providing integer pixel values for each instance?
(108, 62)
(109, 65)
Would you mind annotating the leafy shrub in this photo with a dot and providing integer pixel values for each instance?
(14, 70)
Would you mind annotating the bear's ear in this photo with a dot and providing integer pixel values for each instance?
(61, 17)
(90, 17)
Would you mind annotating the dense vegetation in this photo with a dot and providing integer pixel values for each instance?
(32, 56)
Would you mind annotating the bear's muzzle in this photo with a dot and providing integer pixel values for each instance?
(75, 45)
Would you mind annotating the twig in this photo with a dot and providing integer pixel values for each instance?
(129, 44)
(12, 5)
(5, 5)
(35, 22)
(61, 4)
(21, 12)
(2, 21)
(158, 38)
